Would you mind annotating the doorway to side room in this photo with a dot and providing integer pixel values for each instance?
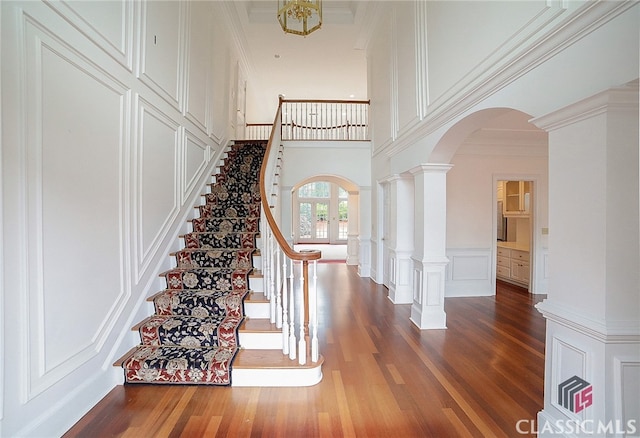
(514, 217)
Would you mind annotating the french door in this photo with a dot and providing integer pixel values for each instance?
(314, 221)
(320, 213)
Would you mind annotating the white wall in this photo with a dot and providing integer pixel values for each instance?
(471, 215)
(114, 114)
(348, 160)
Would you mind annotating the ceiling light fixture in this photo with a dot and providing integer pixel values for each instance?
(300, 17)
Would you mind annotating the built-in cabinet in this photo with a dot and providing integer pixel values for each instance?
(512, 264)
(516, 198)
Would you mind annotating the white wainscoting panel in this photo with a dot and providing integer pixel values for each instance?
(194, 161)
(219, 105)
(198, 73)
(406, 68)
(77, 118)
(626, 376)
(156, 180)
(162, 49)
(109, 24)
(567, 360)
(469, 272)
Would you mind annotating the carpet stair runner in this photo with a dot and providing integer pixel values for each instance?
(193, 336)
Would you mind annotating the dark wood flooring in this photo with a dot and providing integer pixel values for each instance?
(382, 376)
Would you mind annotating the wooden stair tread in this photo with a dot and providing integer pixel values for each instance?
(120, 361)
(258, 325)
(256, 297)
(270, 359)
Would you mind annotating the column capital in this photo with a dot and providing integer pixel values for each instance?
(392, 178)
(430, 168)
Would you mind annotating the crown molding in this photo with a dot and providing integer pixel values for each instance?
(623, 98)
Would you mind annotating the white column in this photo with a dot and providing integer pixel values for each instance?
(400, 239)
(593, 303)
(429, 255)
(353, 215)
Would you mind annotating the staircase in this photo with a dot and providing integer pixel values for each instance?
(213, 323)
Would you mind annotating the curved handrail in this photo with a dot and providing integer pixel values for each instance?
(305, 256)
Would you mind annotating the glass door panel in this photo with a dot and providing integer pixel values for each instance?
(305, 220)
(322, 221)
(343, 220)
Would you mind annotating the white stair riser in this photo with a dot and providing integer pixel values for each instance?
(260, 341)
(256, 284)
(257, 310)
(257, 262)
(275, 377)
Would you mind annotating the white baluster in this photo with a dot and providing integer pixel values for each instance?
(302, 342)
(272, 292)
(265, 261)
(292, 317)
(285, 310)
(313, 311)
(278, 286)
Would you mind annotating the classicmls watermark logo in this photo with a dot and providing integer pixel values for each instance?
(575, 394)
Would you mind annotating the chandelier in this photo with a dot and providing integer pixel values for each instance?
(300, 17)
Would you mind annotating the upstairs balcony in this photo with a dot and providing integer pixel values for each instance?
(317, 120)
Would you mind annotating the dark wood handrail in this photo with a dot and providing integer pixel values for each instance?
(290, 252)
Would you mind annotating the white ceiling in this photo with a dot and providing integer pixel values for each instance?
(327, 64)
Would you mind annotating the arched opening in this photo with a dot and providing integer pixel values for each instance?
(500, 175)
(325, 212)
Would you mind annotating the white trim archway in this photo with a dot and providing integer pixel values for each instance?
(353, 203)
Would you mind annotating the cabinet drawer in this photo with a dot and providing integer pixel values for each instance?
(504, 252)
(504, 261)
(503, 271)
(523, 256)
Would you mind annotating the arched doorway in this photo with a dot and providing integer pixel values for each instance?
(325, 211)
(490, 150)
(322, 213)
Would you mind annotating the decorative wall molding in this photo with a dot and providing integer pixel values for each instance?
(163, 69)
(195, 155)
(405, 100)
(146, 247)
(623, 98)
(400, 277)
(609, 332)
(422, 59)
(626, 380)
(120, 50)
(567, 360)
(469, 272)
(55, 206)
(543, 37)
(197, 75)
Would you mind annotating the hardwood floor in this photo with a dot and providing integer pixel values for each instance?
(382, 376)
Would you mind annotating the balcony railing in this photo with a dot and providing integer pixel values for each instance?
(257, 131)
(324, 120)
